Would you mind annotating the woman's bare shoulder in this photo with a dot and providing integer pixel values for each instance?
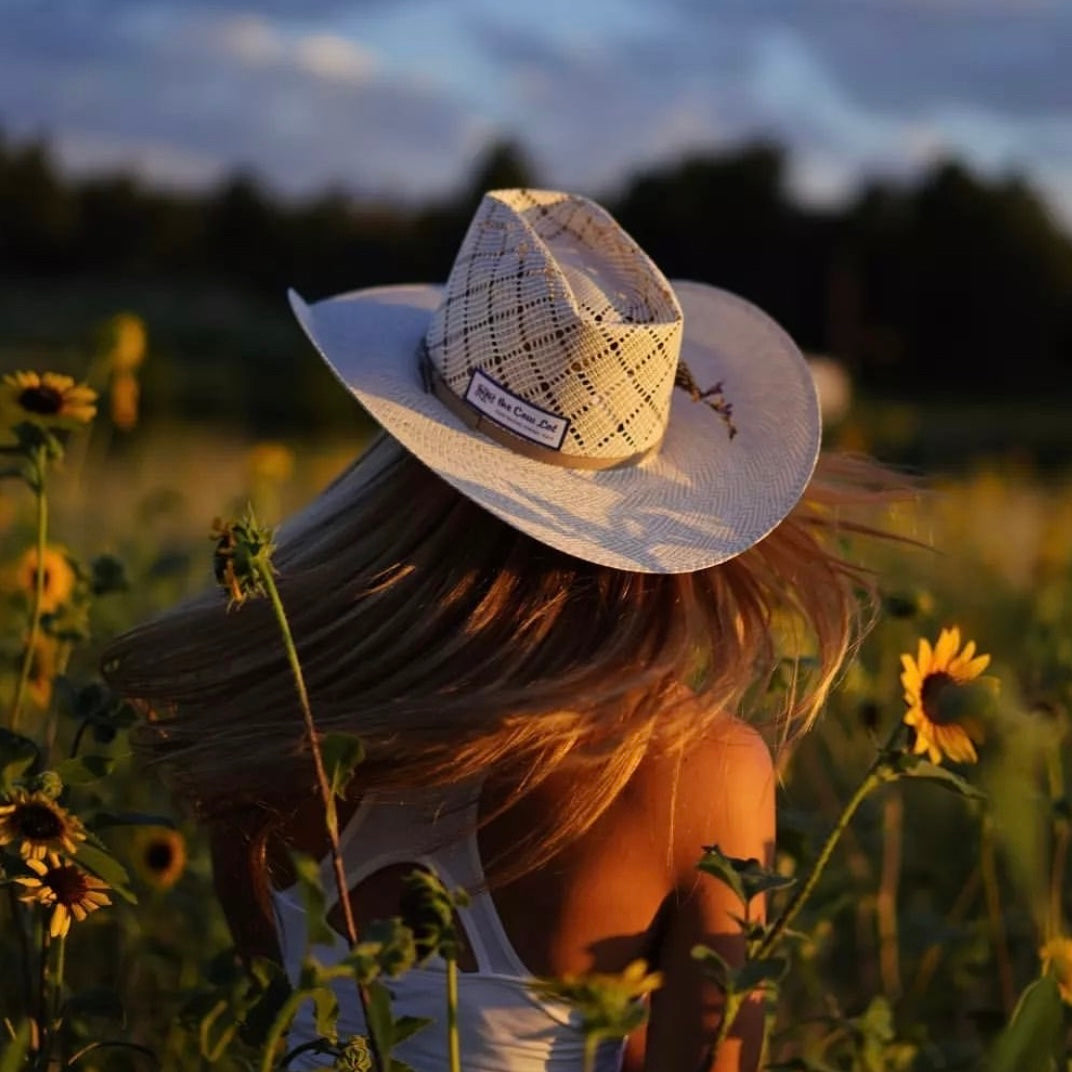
(716, 790)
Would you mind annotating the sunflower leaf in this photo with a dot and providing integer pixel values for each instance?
(1033, 1033)
(342, 753)
(81, 770)
(747, 878)
(107, 868)
(18, 755)
(945, 778)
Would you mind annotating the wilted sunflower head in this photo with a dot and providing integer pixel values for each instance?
(159, 856)
(927, 680)
(74, 893)
(46, 399)
(38, 825)
(58, 581)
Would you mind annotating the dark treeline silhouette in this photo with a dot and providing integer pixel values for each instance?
(950, 283)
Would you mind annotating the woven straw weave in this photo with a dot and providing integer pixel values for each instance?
(552, 300)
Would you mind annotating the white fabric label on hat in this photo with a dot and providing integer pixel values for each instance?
(515, 414)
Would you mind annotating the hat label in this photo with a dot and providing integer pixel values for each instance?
(515, 414)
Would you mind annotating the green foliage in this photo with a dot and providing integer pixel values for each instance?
(1032, 1038)
(747, 878)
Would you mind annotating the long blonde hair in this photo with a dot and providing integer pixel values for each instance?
(458, 647)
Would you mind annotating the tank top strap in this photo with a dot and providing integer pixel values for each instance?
(434, 829)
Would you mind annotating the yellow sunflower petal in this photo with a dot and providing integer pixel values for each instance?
(973, 669)
(923, 660)
(946, 648)
(61, 921)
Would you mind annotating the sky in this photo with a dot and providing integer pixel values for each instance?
(398, 98)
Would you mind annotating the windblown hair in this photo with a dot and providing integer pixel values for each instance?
(458, 647)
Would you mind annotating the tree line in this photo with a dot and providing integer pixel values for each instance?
(950, 283)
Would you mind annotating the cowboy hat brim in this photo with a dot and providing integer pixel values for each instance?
(701, 499)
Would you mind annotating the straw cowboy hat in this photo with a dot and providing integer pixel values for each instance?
(562, 382)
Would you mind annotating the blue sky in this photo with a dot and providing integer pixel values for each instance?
(398, 97)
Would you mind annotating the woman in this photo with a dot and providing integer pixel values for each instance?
(541, 600)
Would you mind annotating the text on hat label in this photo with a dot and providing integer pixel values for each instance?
(513, 413)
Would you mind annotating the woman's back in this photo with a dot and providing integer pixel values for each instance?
(625, 889)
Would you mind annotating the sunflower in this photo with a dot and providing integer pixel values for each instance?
(1056, 957)
(159, 856)
(72, 891)
(44, 666)
(124, 397)
(925, 678)
(59, 579)
(39, 825)
(270, 463)
(126, 341)
(46, 399)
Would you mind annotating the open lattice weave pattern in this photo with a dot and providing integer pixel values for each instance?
(552, 300)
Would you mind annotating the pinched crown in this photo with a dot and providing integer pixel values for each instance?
(558, 327)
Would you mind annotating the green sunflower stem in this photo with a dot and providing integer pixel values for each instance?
(19, 922)
(453, 1041)
(55, 1057)
(734, 1000)
(37, 461)
(875, 777)
(327, 800)
(591, 1048)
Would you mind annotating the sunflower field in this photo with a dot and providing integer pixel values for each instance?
(919, 908)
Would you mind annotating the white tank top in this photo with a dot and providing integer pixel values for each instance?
(503, 1027)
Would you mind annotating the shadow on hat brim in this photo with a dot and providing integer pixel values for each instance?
(702, 499)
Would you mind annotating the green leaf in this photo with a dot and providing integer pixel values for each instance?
(1031, 1038)
(747, 878)
(754, 973)
(18, 754)
(318, 931)
(105, 866)
(82, 770)
(342, 752)
(947, 779)
(405, 1026)
(715, 966)
(11, 1057)
(380, 1022)
(326, 1008)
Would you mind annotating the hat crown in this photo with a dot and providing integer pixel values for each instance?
(551, 301)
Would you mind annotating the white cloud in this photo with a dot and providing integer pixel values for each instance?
(247, 38)
(333, 57)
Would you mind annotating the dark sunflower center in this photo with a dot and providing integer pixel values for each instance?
(44, 400)
(159, 856)
(38, 822)
(67, 883)
(933, 687)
